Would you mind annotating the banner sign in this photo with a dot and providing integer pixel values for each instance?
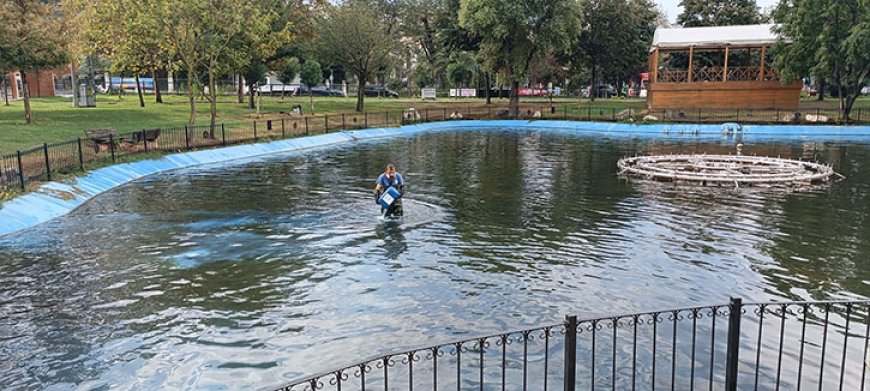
(464, 92)
(428, 93)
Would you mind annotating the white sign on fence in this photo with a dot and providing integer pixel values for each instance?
(428, 93)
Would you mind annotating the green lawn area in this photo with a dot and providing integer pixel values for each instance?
(56, 120)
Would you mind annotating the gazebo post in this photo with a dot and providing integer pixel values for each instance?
(691, 55)
(655, 75)
(725, 73)
(761, 71)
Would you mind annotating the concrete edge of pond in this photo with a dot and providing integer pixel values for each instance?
(55, 199)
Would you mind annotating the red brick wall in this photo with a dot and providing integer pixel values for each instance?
(39, 84)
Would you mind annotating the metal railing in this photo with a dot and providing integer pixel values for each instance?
(788, 345)
(46, 161)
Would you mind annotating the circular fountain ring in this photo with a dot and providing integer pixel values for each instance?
(726, 170)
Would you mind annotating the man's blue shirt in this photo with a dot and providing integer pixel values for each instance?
(386, 182)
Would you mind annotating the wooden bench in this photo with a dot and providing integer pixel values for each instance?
(146, 137)
(102, 138)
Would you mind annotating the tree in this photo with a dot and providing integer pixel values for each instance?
(311, 76)
(288, 74)
(212, 38)
(513, 34)
(31, 39)
(827, 39)
(254, 73)
(699, 13)
(461, 69)
(353, 36)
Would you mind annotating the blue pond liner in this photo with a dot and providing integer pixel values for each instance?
(55, 199)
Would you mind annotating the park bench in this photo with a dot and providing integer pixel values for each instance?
(146, 137)
(102, 138)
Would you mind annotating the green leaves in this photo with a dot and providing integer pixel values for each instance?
(697, 13)
(827, 39)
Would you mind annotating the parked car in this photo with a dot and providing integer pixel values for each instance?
(319, 91)
(601, 91)
(380, 91)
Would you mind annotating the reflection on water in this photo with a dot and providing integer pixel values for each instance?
(254, 273)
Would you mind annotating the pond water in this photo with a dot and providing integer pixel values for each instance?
(254, 273)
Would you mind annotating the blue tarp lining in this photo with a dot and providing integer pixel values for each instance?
(55, 199)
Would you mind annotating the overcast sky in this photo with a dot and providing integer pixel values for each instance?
(672, 7)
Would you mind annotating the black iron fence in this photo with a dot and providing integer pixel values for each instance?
(46, 161)
(790, 345)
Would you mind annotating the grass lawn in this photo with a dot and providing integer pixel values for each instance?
(56, 120)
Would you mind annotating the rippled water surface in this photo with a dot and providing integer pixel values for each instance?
(257, 272)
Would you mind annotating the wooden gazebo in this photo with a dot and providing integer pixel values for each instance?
(716, 67)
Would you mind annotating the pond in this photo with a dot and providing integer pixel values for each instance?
(253, 273)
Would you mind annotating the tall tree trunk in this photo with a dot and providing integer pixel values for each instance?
(212, 93)
(361, 92)
(139, 90)
(158, 96)
(5, 86)
(25, 93)
(514, 104)
(488, 86)
(820, 91)
(191, 94)
(241, 93)
(311, 98)
(74, 79)
(251, 104)
(121, 86)
(593, 89)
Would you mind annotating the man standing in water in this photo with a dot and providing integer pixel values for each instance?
(390, 178)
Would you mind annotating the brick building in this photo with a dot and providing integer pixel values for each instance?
(41, 84)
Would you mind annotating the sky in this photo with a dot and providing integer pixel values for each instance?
(672, 7)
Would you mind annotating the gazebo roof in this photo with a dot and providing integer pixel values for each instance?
(714, 37)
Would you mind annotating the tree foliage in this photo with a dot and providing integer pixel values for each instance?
(32, 37)
(354, 36)
(699, 13)
(829, 39)
(311, 75)
(615, 38)
(514, 34)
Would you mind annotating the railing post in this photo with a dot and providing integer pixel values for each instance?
(186, 137)
(223, 135)
(589, 113)
(366, 119)
(81, 157)
(699, 116)
(386, 118)
(112, 146)
(20, 170)
(326, 123)
(283, 133)
(733, 348)
(343, 123)
(427, 114)
(144, 141)
(775, 120)
(445, 113)
(570, 352)
(818, 111)
(306, 125)
(255, 130)
(613, 114)
(565, 111)
(738, 116)
(47, 167)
